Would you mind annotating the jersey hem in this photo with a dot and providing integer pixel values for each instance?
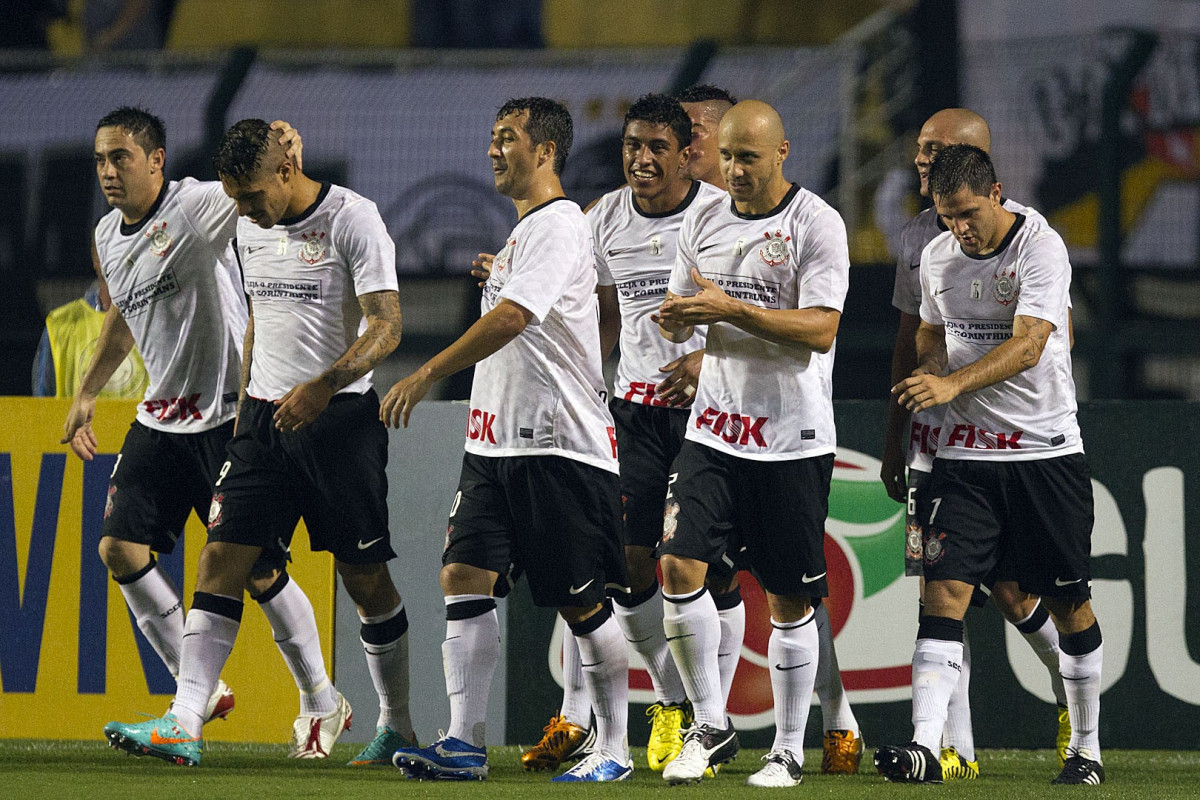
(607, 465)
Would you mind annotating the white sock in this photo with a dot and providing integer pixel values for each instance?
(605, 666)
(295, 629)
(158, 609)
(576, 705)
(836, 714)
(958, 732)
(209, 632)
(729, 651)
(693, 632)
(469, 657)
(642, 626)
(1081, 678)
(385, 642)
(936, 669)
(793, 652)
(1044, 641)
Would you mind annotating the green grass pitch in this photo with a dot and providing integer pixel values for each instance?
(30, 770)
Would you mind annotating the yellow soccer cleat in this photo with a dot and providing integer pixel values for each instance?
(1064, 735)
(666, 734)
(957, 768)
(561, 742)
(843, 752)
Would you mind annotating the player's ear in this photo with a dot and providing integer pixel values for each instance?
(157, 158)
(546, 151)
(784, 148)
(285, 170)
(685, 155)
(997, 193)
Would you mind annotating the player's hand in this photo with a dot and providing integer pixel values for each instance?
(679, 387)
(891, 472)
(483, 267)
(924, 390)
(77, 430)
(290, 140)
(705, 307)
(402, 398)
(303, 404)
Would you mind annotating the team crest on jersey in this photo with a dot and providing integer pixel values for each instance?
(216, 515)
(313, 249)
(504, 257)
(670, 521)
(775, 251)
(108, 503)
(160, 240)
(912, 541)
(934, 549)
(1005, 288)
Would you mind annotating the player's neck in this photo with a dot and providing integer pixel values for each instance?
(776, 190)
(666, 200)
(304, 195)
(540, 192)
(134, 214)
(1007, 220)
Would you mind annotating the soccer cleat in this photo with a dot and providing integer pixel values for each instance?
(666, 734)
(843, 753)
(161, 738)
(911, 763)
(220, 702)
(594, 768)
(703, 747)
(1064, 735)
(446, 759)
(561, 742)
(313, 736)
(780, 771)
(957, 768)
(1080, 769)
(380, 749)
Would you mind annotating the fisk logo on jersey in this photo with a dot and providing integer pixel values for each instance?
(775, 251)
(479, 426)
(971, 437)
(160, 240)
(166, 409)
(313, 249)
(733, 427)
(923, 439)
(643, 392)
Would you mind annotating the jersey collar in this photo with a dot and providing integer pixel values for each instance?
(787, 198)
(679, 209)
(1004, 243)
(134, 227)
(308, 212)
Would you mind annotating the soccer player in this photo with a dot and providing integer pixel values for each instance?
(540, 470)
(705, 105)
(309, 443)
(918, 434)
(163, 252)
(1010, 488)
(767, 270)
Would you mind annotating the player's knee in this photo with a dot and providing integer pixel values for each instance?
(720, 583)
(1070, 615)
(466, 579)
(640, 567)
(682, 575)
(1013, 603)
(123, 558)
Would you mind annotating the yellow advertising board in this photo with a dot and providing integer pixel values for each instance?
(71, 656)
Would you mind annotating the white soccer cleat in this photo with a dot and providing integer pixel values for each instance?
(220, 702)
(704, 747)
(781, 771)
(313, 737)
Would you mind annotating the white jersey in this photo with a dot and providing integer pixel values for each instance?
(304, 277)
(543, 393)
(635, 252)
(924, 426)
(758, 399)
(1032, 414)
(170, 277)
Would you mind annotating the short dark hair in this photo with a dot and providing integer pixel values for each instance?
(661, 109)
(145, 128)
(242, 148)
(704, 93)
(549, 121)
(960, 165)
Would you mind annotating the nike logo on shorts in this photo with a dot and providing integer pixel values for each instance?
(806, 579)
(1061, 582)
(573, 590)
(364, 546)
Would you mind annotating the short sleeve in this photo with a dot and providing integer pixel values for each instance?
(906, 288)
(929, 311)
(824, 263)
(542, 262)
(1044, 279)
(212, 212)
(603, 274)
(369, 251)
(682, 284)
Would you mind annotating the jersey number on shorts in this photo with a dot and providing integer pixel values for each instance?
(454, 505)
(912, 501)
(936, 503)
(115, 465)
(224, 471)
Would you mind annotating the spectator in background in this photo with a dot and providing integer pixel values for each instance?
(68, 342)
(126, 24)
(23, 23)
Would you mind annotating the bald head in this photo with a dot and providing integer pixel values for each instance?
(946, 127)
(753, 150)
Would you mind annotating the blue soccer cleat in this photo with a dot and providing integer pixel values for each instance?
(161, 738)
(446, 759)
(597, 767)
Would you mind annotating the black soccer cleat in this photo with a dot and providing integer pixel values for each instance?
(910, 763)
(1080, 771)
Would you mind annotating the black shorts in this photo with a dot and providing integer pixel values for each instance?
(914, 542)
(720, 503)
(1023, 521)
(332, 473)
(159, 478)
(648, 439)
(555, 519)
